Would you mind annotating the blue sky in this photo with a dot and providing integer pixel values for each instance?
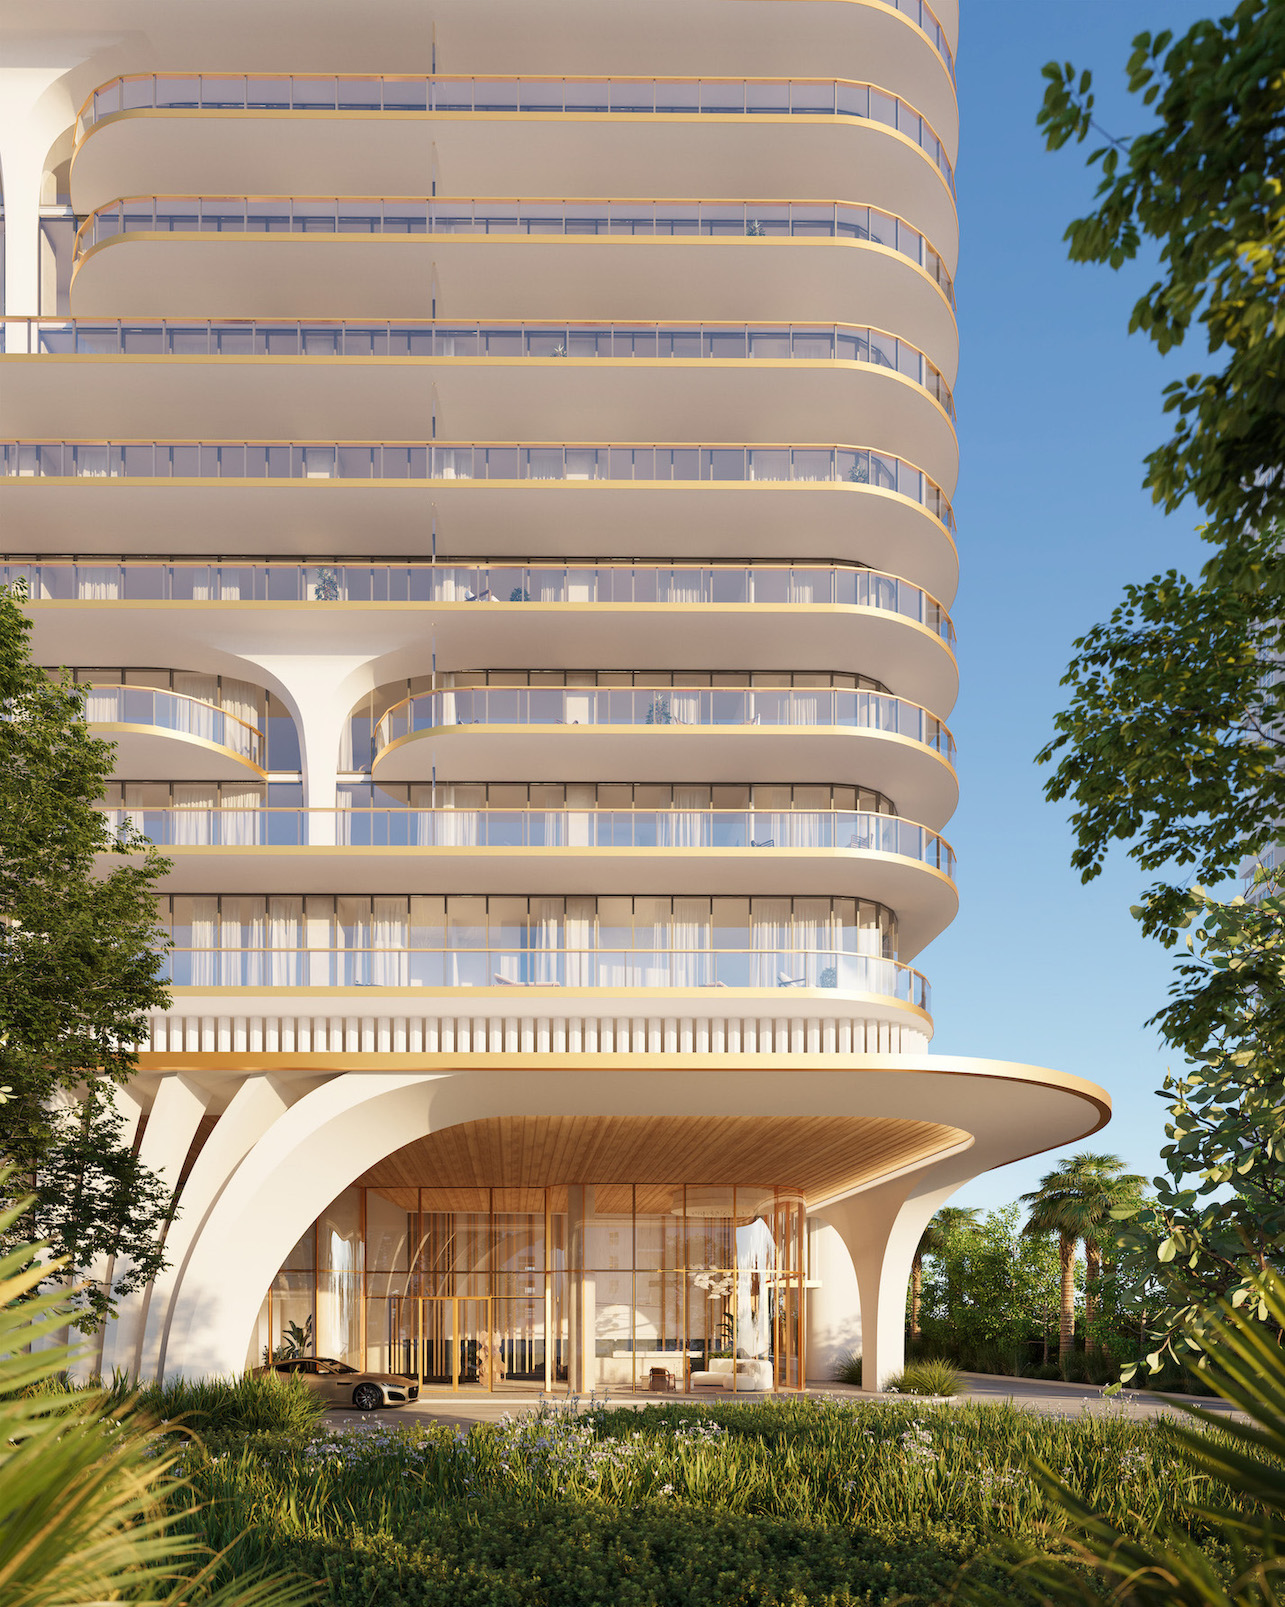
(1058, 406)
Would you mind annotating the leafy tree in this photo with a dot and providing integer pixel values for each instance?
(987, 1292)
(1075, 1201)
(1173, 736)
(1218, 1217)
(77, 978)
(932, 1241)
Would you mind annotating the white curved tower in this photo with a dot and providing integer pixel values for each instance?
(494, 468)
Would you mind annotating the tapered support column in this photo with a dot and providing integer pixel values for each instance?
(254, 1107)
(881, 1228)
(171, 1126)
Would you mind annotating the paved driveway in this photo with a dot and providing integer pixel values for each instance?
(1035, 1395)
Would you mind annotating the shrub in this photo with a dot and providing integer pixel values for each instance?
(849, 1369)
(1048, 1370)
(246, 1405)
(935, 1377)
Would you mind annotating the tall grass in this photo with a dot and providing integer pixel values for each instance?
(812, 1478)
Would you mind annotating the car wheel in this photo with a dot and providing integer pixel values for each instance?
(367, 1397)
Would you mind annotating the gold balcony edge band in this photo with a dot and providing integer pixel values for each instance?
(657, 1063)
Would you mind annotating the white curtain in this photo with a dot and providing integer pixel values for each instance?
(103, 705)
(284, 927)
(389, 965)
(687, 818)
(580, 941)
(241, 939)
(205, 967)
(652, 918)
(581, 797)
(546, 940)
(240, 817)
(684, 706)
(690, 941)
(773, 966)
(243, 701)
(97, 583)
(192, 820)
(199, 719)
(811, 932)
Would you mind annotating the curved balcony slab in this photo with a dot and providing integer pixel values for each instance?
(166, 733)
(857, 523)
(232, 273)
(897, 650)
(921, 778)
(885, 393)
(714, 852)
(288, 153)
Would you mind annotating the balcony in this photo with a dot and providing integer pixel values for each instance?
(718, 734)
(725, 852)
(363, 381)
(510, 259)
(221, 134)
(283, 496)
(683, 973)
(706, 616)
(168, 733)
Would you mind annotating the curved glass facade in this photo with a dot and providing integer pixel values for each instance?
(712, 585)
(487, 941)
(669, 1286)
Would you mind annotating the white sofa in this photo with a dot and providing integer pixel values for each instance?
(727, 1372)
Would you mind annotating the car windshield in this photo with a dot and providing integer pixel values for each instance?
(326, 1366)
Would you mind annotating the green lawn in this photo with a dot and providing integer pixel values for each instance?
(808, 1503)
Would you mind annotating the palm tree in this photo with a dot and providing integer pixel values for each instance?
(1075, 1201)
(949, 1220)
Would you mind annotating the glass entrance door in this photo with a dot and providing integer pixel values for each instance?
(445, 1340)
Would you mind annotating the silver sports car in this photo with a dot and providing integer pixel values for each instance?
(341, 1385)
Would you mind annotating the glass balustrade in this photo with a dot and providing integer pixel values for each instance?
(668, 585)
(487, 967)
(806, 220)
(744, 707)
(631, 97)
(175, 713)
(285, 460)
(502, 342)
(232, 827)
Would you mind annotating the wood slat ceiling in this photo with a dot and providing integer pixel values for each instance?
(819, 1156)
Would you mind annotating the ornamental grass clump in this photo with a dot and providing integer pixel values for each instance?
(936, 1377)
(89, 1498)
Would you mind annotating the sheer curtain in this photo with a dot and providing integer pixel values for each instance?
(389, 960)
(581, 796)
(97, 583)
(580, 940)
(811, 933)
(241, 939)
(546, 940)
(192, 821)
(690, 938)
(203, 937)
(284, 930)
(652, 917)
(244, 701)
(240, 816)
(103, 704)
(196, 719)
(687, 818)
(773, 965)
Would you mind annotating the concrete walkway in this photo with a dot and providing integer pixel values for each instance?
(1050, 1399)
